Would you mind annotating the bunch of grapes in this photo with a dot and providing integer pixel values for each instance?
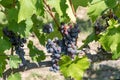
(53, 47)
(48, 28)
(66, 45)
(70, 35)
(102, 23)
(17, 42)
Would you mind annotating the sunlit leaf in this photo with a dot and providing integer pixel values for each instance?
(94, 10)
(16, 76)
(110, 39)
(27, 9)
(70, 68)
(14, 61)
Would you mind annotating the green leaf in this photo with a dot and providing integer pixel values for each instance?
(17, 27)
(23, 28)
(117, 10)
(3, 63)
(16, 76)
(110, 39)
(111, 3)
(64, 7)
(94, 10)
(14, 61)
(3, 19)
(29, 25)
(27, 9)
(70, 68)
(77, 3)
(39, 7)
(60, 7)
(7, 3)
(40, 36)
(5, 45)
(12, 12)
(1, 32)
(35, 53)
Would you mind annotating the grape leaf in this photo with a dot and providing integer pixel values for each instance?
(5, 45)
(16, 76)
(77, 3)
(3, 19)
(12, 12)
(2, 63)
(17, 27)
(39, 7)
(14, 61)
(1, 32)
(35, 53)
(111, 3)
(110, 39)
(7, 3)
(60, 7)
(40, 36)
(29, 25)
(94, 10)
(23, 28)
(64, 7)
(117, 10)
(27, 9)
(70, 68)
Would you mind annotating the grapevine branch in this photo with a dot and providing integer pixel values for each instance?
(12, 50)
(73, 9)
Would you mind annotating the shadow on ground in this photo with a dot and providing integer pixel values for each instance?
(104, 72)
(27, 67)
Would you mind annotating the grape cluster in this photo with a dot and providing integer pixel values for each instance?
(17, 42)
(102, 23)
(70, 35)
(53, 47)
(66, 45)
(48, 28)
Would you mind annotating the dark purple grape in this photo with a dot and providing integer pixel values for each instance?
(50, 50)
(48, 28)
(57, 67)
(73, 51)
(69, 49)
(51, 69)
(54, 70)
(17, 43)
(24, 40)
(57, 55)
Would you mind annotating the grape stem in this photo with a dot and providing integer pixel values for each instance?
(12, 50)
(73, 9)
